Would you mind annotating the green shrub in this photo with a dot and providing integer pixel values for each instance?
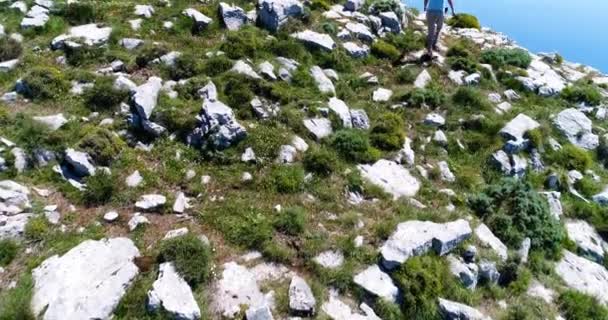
(247, 227)
(471, 98)
(527, 308)
(323, 5)
(266, 140)
(102, 145)
(288, 47)
(513, 210)
(320, 161)
(465, 64)
(79, 13)
(572, 157)
(238, 90)
(588, 187)
(353, 145)
(337, 59)
(378, 6)
(30, 134)
(287, 179)
(8, 251)
(244, 43)
(100, 188)
(9, 48)
(44, 83)
(15, 302)
(387, 310)
(149, 52)
(462, 49)
(217, 65)
(186, 66)
(406, 76)
(177, 115)
(84, 54)
(464, 20)
(190, 256)
(578, 306)
(582, 93)
(103, 95)
(432, 96)
(36, 228)
(291, 221)
(407, 41)
(277, 252)
(501, 57)
(387, 133)
(385, 50)
(593, 212)
(329, 28)
(421, 282)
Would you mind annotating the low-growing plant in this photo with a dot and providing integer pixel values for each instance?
(582, 93)
(385, 50)
(578, 306)
(572, 157)
(102, 145)
(406, 76)
(588, 187)
(190, 256)
(513, 210)
(247, 227)
(9, 49)
(103, 95)
(407, 41)
(501, 57)
(36, 228)
(291, 221)
(320, 161)
(244, 43)
(148, 52)
(387, 133)
(100, 188)
(44, 83)
(378, 6)
(79, 13)
(8, 251)
(354, 145)
(287, 179)
(186, 66)
(471, 98)
(464, 20)
(266, 140)
(217, 65)
(83, 54)
(432, 96)
(15, 302)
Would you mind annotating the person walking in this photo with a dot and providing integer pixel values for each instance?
(434, 20)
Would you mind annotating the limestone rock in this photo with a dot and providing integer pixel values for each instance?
(242, 67)
(323, 82)
(144, 98)
(85, 283)
(13, 226)
(382, 95)
(451, 310)
(413, 238)
(391, 177)
(423, 79)
(91, 35)
(301, 300)
(516, 128)
(234, 17)
(330, 259)
(201, 21)
(236, 286)
(151, 201)
(488, 239)
(584, 275)
(575, 125)
(588, 241)
(315, 40)
(80, 162)
(171, 293)
(341, 110)
(378, 283)
(318, 127)
(466, 272)
(274, 13)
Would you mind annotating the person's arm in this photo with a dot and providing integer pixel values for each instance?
(451, 2)
(426, 3)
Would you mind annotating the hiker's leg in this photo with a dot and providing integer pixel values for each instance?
(438, 30)
(432, 24)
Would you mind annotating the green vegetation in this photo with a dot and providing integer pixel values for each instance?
(353, 145)
(464, 20)
(387, 133)
(78, 13)
(502, 57)
(320, 161)
(471, 99)
(100, 188)
(287, 179)
(103, 95)
(578, 306)
(572, 157)
(191, 257)
(8, 251)
(291, 221)
(102, 145)
(513, 211)
(385, 50)
(582, 93)
(44, 83)
(9, 49)
(15, 302)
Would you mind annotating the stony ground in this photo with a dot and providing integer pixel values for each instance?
(179, 159)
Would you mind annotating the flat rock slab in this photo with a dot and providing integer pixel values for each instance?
(85, 283)
(378, 283)
(488, 239)
(171, 293)
(451, 310)
(575, 126)
(414, 238)
(584, 275)
(587, 239)
(237, 286)
(391, 177)
(516, 128)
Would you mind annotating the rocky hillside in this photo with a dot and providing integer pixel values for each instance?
(279, 159)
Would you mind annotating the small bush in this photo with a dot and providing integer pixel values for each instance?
(582, 93)
(572, 157)
(288, 47)
(15, 302)
(527, 308)
(406, 76)
(513, 211)
(287, 179)
(79, 13)
(378, 6)
(217, 65)
(247, 227)
(84, 54)
(465, 64)
(186, 66)
(149, 52)
(387, 133)
(244, 43)
(464, 20)
(8, 251)
(291, 221)
(578, 306)
(190, 256)
(407, 41)
(102, 145)
(385, 50)
(588, 187)
(100, 188)
(9, 49)
(266, 140)
(30, 134)
(431, 96)
(388, 310)
(501, 57)
(103, 95)
(320, 5)
(353, 145)
(238, 90)
(471, 98)
(44, 83)
(337, 59)
(36, 228)
(320, 161)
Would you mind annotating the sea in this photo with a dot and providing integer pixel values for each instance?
(578, 30)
